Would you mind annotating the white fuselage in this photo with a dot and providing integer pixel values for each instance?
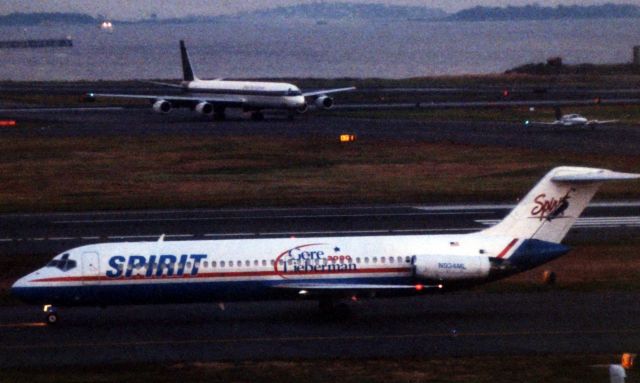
(573, 120)
(253, 94)
(185, 271)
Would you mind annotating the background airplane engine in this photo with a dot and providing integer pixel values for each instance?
(303, 108)
(324, 102)
(162, 106)
(451, 267)
(204, 108)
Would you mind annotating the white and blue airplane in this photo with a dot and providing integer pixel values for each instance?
(572, 119)
(213, 97)
(327, 269)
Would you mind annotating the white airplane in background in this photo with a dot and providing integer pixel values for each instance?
(213, 97)
(327, 269)
(571, 120)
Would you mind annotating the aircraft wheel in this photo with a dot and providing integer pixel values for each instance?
(52, 318)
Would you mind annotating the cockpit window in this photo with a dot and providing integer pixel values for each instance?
(292, 92)
(64, 263)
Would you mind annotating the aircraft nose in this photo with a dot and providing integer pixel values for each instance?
(19, 286)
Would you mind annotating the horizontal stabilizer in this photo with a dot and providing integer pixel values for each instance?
(591, 175)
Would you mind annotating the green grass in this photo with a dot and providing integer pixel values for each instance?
(480, 369)
(171, 171)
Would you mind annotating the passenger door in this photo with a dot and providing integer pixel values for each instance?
(90, 267)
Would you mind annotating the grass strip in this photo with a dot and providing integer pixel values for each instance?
(86, 173)
(479, 369)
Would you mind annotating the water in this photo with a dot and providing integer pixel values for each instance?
(305, 49)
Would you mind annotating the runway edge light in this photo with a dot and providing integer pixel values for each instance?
(347, 137)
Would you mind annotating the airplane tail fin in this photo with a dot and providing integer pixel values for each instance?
(558, 113)
(549, 210)
(187, 69)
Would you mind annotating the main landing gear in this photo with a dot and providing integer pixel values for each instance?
(51, 314)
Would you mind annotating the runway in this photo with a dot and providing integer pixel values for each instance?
(50, 233)
(462, 324)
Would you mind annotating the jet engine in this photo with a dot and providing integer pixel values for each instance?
(452, 267)
(162, 106)
(324, 102)
(204, 108)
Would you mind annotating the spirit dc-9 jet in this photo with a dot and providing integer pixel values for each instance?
(213, 97)
(327, 269)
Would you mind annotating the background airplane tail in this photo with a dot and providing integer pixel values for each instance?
(187, 69)
(549, 210)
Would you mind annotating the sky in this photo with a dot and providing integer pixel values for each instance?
(137, 9)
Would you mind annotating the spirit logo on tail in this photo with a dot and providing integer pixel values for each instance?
(550, 209)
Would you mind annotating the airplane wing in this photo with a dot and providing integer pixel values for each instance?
(345, 289)
(600, 122)
(164, 84)
(327, 91)
(545, 123)
(232, 101)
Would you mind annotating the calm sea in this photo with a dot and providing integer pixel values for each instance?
(291, 48)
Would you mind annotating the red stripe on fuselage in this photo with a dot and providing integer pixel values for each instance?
(223, 275)
(506, 249)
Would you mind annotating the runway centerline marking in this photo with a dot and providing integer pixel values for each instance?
(461, 334)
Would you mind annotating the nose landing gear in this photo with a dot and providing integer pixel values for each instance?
(51, 314)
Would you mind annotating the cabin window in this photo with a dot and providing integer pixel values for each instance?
(366, 259)
(391, 260)
(374, 259)
(247, 263)
(264, 262)
(221, 263)
(281, 262)
(230, 263)
(272, 262)
(407, 259)
(188, 265)
(383, 259)
(399, 259)
(357, 259)
(255, 263)
(205, 264)
(213, 264)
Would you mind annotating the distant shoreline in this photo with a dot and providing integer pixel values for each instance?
(336, 12)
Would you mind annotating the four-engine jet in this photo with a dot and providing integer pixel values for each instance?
(213, 97)
(327, 269)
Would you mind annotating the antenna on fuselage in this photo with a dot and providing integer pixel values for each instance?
(161, 239)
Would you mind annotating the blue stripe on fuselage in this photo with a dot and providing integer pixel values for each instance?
(176, 292)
